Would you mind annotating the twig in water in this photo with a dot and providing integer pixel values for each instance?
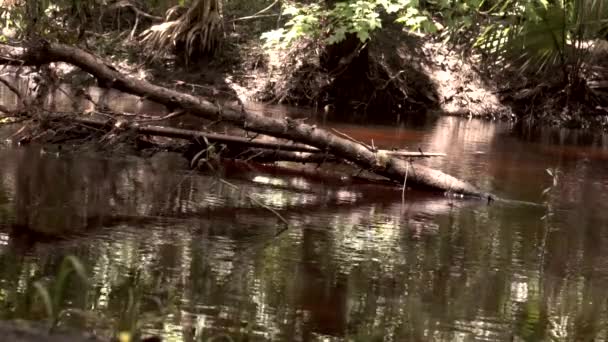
(410, 154)
(198, 156)
(211, 124)
(254, 156)
(404, 184)
(109, 116)
(18, 132)
(254, 17)
(253, 137)
(72, 98)
(5, 110)
(89, 127)
(253, 199)
(137, 11)
(15, 90)
(391, 79)
(168, 116)
(259, 13)
(348, 137)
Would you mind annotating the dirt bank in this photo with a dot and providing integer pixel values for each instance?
(396, 76)
(386, 81)
(393, 78)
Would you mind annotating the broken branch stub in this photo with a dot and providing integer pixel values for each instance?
(42, 52)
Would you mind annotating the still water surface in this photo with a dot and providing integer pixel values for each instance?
(198, 259)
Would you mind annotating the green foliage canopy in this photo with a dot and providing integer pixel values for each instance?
(539, 33)
(360, 17)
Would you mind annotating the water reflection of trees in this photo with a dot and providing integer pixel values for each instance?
(204, 260)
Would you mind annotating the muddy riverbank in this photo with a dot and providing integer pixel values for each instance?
(403, 76)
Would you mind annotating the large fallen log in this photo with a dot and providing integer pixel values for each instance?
(171, 132)
(276, 151)
(42, 52)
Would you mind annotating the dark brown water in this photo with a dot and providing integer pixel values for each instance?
(197, 259)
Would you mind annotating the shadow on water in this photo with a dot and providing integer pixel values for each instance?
(355, 264)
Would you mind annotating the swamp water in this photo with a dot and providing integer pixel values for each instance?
(188, 257)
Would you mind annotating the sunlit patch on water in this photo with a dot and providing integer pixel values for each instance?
(269, 180)
(4, 239)
(347, 196)
(367, 238)
(519, 291)
(482, 329)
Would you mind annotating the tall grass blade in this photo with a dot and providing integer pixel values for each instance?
(44, 294)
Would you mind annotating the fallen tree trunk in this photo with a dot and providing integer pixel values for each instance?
(257, 150)
(42, 52)
(171, 132)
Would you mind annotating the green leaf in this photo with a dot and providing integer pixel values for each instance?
(363, 35)
(273, 36)
(78, 267)
(338, 36)
(44, 294)
(291, 10)
(393, 8)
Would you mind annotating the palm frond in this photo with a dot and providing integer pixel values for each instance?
(538, 35)
(197, 31)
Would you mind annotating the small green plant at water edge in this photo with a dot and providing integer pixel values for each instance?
(131, 296)
(128, 321)
(52, 295)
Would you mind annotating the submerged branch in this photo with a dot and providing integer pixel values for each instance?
(137, 11)
(258, 202)
(5, 110)
(257, 150)
(170, 132)
(15, 90)
(41, 52)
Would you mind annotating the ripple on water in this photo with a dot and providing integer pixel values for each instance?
(482, 328)
(353, 259)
